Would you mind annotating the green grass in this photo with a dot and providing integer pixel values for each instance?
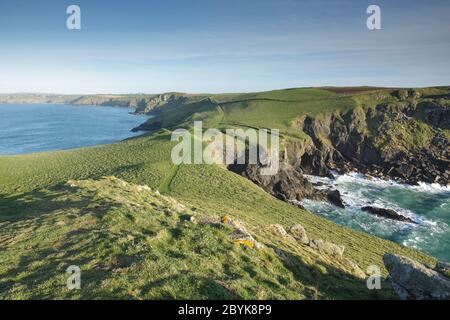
(47, 224)
(273, 109)
(132, 243)
(35, 200)
(413, 135)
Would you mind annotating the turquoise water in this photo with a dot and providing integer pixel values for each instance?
(427, 204)
(26, 128)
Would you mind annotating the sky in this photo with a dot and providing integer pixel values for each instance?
(211, 46)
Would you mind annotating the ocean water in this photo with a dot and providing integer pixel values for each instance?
(427, 204)
(26, 128)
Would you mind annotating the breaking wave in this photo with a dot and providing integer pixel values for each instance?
(426, 204)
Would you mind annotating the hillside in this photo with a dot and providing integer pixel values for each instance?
(132, 242)
(58, 209)
(403, 133)
(36, 197)
(142, 103)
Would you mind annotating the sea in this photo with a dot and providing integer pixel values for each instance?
(426, 204)
(28, 128)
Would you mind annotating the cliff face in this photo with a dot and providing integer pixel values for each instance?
(97, 100)
(35, 98)
(142, 104)
(406, 140)
(159, 101)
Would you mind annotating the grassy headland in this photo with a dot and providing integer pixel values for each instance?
(56, 210)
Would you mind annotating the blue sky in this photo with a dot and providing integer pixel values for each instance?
(220, 46)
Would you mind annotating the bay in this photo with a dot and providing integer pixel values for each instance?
(28, 128)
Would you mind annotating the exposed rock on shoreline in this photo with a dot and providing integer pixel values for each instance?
(287, 184)
(385, 142)
(334, 196)
(404, 140)
(387, 213)
(443, 267)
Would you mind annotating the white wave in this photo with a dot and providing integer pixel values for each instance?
(355, 190)
(431, 234)
(368, 180)
(431, 188)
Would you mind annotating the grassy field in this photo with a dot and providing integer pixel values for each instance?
(132, 243)
(273, 109)
(56, 209)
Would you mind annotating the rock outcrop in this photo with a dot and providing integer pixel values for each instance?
(328, 248)
(334, 196)
(299, 233)
(154, 104)
(387, 213)
(279, 230)
(239, 235)
(287, 184)
(401, 140)
(413, 280)
(394, 145)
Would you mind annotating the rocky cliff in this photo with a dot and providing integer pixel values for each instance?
(142, 103)
(157, 102)
(406, 140)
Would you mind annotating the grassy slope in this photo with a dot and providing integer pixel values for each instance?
(132, 243)
(32, 201)
(272, 109)
(281, 108)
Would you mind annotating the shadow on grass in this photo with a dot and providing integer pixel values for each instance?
(40, 264)
(331, 282)
(37, 202)
(190, 286)
(40, 267)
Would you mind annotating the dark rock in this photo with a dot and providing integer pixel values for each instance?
(340, 141)
(401, 94)
(148, 126)
(288, 184)
(436, 114)
(387, 213)
(334, 196)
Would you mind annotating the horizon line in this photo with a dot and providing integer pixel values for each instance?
(223, 92)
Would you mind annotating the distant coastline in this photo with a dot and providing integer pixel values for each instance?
(40, 127)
